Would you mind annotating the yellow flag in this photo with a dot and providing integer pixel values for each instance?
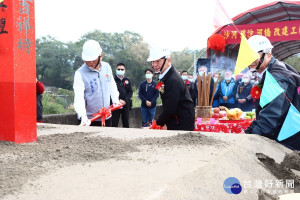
(245, 57)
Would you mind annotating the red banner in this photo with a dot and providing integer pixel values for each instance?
(275, 31)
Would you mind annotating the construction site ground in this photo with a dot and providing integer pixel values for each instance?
(72, 162)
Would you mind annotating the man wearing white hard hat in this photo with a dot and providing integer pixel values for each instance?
(270, 118)
(94, 85)
(178, 108)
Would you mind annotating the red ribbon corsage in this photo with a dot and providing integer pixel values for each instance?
(160, 86)
(255, 92)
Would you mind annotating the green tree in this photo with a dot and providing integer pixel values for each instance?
(135, 59)
(294, 61)
(127, 47)
(54, 62)
(184, 60)
(111, 42)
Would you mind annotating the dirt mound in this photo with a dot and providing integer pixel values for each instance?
(292, 161)
(266, 196)
(29, 161)
(180, 140)
(149, 164)
(281, 171)
(20, 162)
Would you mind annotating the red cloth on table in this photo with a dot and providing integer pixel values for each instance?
(235, 127)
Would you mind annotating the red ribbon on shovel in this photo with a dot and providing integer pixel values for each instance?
(155, 126)
(105, 113)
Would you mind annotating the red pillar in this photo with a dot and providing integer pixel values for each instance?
(17, 71)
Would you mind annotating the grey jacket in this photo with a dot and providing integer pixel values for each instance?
(94, 89)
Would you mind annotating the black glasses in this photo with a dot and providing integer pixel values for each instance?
(120, 69)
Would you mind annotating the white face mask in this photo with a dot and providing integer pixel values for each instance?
(120, 73)
(190, 80)
(184, 77)
(201, 73)
(149, 76)
(215, 79)
(245, 80)
(228, 78)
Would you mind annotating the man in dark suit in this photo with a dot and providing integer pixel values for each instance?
(125, 93)
(178, 108)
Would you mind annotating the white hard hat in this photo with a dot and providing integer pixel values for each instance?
(260, 43)
(91, 50)
(157, 53)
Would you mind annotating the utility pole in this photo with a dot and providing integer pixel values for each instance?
(195, 62)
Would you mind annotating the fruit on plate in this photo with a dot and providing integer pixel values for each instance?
(223, 113)
(216, 110)
(215, 115)
(232, 114)
(250, 114)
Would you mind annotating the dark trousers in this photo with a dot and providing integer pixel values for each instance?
(229, 105)
(147, 116)
(99, 123)
(187, 124)
(125, 117)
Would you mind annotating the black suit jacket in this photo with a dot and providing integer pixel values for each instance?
(125, 89)
(178, 108)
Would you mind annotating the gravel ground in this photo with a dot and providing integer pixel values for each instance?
(176, 158)
(22, 162)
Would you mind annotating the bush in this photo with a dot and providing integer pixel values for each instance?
(57, 101)
(50, 106)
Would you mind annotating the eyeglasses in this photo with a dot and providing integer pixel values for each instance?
(120, 69)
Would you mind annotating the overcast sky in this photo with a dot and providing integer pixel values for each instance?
(174, 24)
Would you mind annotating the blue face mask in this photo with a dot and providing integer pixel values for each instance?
(190, 80)
(120, 73)
(149, 76)
(184, 77)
